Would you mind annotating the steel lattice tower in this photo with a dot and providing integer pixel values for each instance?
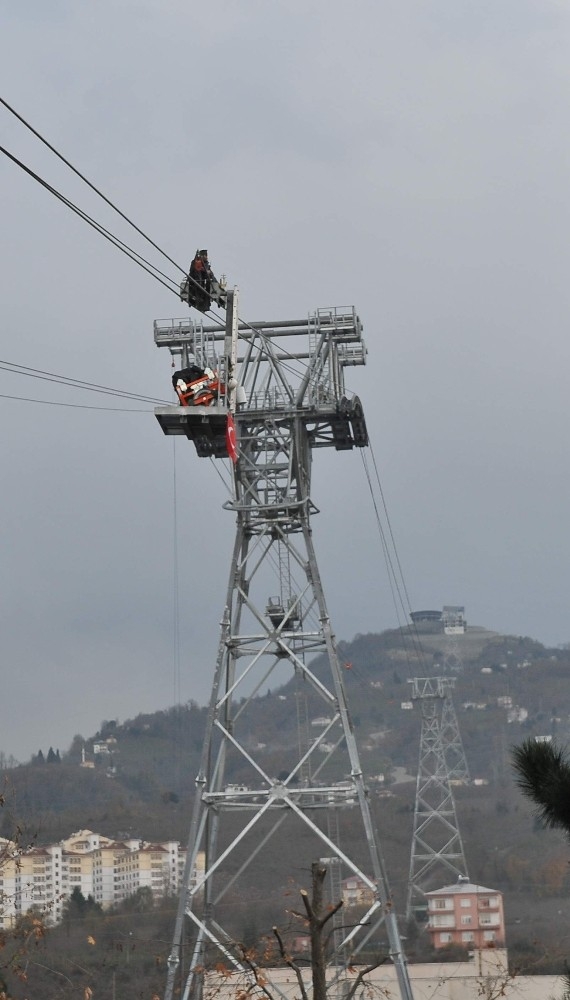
(454, 625)
(455, 758)
(437, 848)
(275, 626)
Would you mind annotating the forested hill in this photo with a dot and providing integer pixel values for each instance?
(142, 780)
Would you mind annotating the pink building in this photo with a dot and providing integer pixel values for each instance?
(466, 914)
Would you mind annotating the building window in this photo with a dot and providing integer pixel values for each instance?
(467, 936)
(465, 902)
(467, 919)
(445, 938)
(442, 904)
(443, 921)
(488, 935)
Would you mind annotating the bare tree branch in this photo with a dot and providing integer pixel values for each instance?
(308, 907)
(331, 913)
(362, 974)
(292, 965)
(259, 979)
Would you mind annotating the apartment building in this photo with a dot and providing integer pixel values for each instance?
(30, 878)
(466, 914)
(108, 870)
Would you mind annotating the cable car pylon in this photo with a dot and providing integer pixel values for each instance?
(437, 847)
(281, 386)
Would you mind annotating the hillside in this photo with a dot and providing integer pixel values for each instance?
(508, 688)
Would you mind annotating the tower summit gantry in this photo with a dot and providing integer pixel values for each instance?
(283, 385)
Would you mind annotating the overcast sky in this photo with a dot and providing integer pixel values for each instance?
(407, 157)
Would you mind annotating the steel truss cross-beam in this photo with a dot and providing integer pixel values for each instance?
(437, 848)
(254, 799)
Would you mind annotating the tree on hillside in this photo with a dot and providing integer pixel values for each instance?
(543, 775)
(141, 901)
(77, 907)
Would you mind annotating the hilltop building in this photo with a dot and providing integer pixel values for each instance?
(108, 870)
(453, 619)
(450, 620)
(466, 914)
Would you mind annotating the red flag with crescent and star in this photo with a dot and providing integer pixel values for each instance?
(231, 443)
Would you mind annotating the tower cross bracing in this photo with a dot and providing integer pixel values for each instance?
(437, 847)
(290, 399)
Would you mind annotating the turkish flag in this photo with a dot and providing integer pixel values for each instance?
(231, 443)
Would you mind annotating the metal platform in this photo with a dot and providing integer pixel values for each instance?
(289, 370)
(204, 425)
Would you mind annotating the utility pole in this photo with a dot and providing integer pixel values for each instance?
(290, 399)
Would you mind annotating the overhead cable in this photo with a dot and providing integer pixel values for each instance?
(16, 369)
(394, 567)
(76, 406)
(88, 182)
(129, 252)
(123, 247)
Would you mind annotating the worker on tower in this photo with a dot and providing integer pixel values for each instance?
(200, 270)
(201, 288)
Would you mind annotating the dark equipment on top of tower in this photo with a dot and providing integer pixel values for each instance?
(197, 386)
(201, 288)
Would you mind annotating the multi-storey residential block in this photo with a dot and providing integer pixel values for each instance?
(466, 914)
(31, 878)
(107, 870)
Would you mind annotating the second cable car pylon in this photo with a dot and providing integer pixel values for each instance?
(283, 388)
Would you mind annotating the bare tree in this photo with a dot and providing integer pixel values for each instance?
(316, 918)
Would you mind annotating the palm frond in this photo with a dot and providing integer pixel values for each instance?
(543, 775)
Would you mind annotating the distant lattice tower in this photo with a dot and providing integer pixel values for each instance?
(281, 394)
(437, 848)
(451, 737)
(454, 625)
